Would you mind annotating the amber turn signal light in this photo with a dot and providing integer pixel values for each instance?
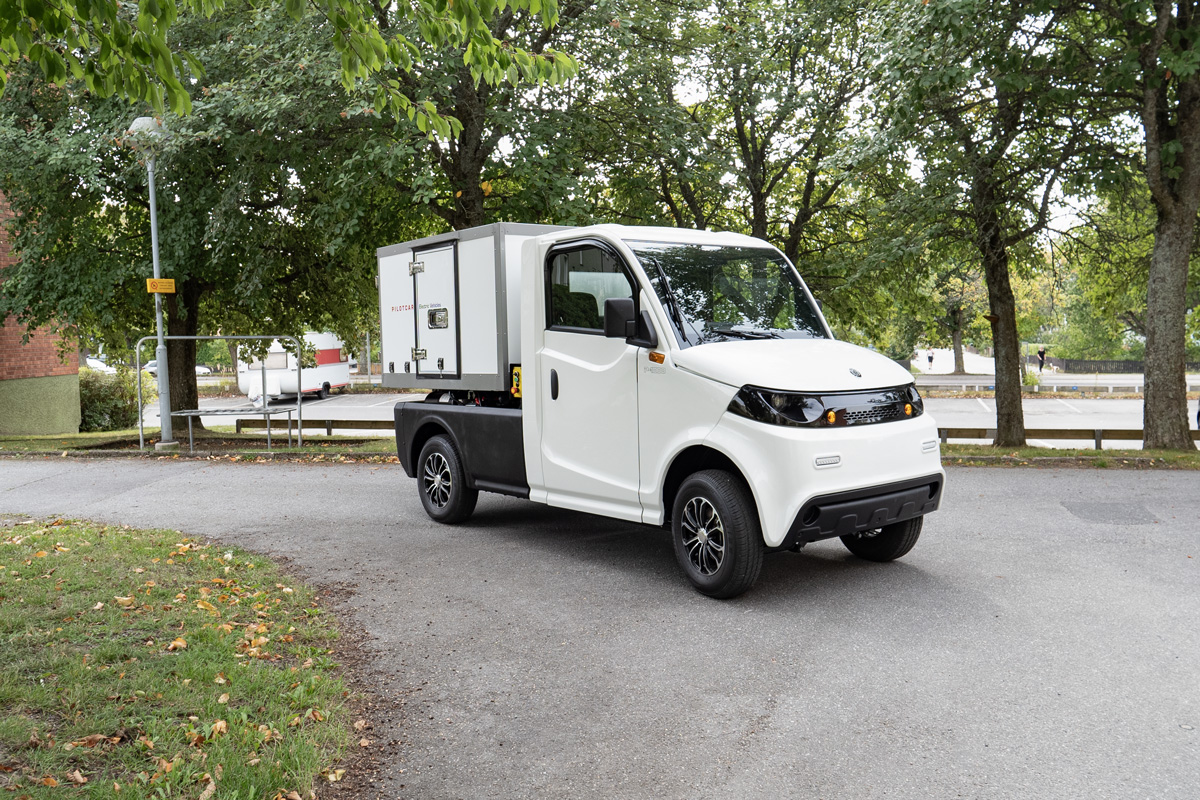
(831, 417)
(908, 409)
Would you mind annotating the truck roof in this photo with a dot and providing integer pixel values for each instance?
(647, 233)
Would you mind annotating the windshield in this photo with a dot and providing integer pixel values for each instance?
(713, 293)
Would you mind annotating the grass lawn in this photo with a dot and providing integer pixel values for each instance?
(141, 664)
(219, 438)
(966, 454)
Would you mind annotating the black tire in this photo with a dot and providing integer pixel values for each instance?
(323, 392)
(715, 528)
(442, 483)
(886, 544)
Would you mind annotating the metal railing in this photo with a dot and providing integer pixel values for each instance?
(1097, 435)
(137, 357)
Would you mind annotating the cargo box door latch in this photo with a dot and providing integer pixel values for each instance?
(417, 355)
(415, 267)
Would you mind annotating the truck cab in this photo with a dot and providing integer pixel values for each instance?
(669, 377)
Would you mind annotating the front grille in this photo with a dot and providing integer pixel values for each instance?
(873, 415)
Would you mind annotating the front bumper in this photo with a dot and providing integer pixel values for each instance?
(794, 470)
(845, 513)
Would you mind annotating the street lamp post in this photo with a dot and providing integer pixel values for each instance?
(152, 127)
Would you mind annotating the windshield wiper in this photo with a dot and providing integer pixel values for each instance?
(672, 305)
(747, 334)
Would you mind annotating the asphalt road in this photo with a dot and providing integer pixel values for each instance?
(1040, 641)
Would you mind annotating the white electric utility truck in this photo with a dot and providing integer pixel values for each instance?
(671, 377)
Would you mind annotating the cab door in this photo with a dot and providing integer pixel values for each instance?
(588, 386)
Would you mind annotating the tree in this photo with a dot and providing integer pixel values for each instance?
(264, 225)
(465, 177)
(1159, 72)
(117, 49)
(995, 96)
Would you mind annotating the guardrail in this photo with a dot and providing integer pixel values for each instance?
(329, 425)
(1097, 435)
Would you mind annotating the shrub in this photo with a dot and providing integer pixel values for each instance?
(110, 402)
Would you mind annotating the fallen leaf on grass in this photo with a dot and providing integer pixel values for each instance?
(333, 775)
(125, 602)
(98, 606)
(41, 554)
(178, 644)
(364, 742)
(360, 725)
(48, 781)
(219, 728)
(209, 790)
(223, 699)
(76, 778)
(221, 679)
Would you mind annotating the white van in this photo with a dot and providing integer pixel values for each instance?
(278, 368)
(664, 376)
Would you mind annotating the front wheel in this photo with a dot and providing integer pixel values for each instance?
(887, 543)
(443, 482)
(718, 541)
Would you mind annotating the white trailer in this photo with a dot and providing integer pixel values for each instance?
(274, 375)
(670, 377)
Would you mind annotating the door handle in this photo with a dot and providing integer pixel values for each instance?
(553, 384)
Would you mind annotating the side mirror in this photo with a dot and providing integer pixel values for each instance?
(618, 316)
(622, 322)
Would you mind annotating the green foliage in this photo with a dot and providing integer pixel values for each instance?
(119, 50)
(110, 402)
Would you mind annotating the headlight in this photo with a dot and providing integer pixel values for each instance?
(837, 409)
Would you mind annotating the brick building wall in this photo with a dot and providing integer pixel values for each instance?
(39, 389)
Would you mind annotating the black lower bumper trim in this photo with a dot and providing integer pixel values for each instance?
(861, 510)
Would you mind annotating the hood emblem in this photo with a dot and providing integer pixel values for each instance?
(855, 372)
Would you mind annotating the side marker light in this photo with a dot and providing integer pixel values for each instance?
(657, 358)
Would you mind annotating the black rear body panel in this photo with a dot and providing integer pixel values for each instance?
(489, 442)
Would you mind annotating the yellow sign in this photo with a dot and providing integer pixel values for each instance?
(516, 382)
(160, 285)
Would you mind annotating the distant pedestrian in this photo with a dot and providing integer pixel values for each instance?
(930, 354)
(1041, 358)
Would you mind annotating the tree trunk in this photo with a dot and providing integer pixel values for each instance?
(960, 367)
(1010, 417)
(183, 320)
(1165, 410)
(232, 346)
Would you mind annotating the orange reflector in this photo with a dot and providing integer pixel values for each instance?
(831, 417)
(657, 358)
(908, 409)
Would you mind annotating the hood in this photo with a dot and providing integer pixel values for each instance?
(793, 365)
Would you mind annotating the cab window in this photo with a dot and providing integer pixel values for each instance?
(578, 281)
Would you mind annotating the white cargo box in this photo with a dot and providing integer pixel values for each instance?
(449, 308)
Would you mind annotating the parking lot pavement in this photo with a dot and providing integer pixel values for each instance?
(1040, 640)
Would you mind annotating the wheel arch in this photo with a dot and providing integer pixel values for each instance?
(426, 431)
(691, 460)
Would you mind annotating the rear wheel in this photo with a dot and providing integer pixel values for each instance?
(442, 482)
(887, 543)
(718, 541)
(323, 392)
